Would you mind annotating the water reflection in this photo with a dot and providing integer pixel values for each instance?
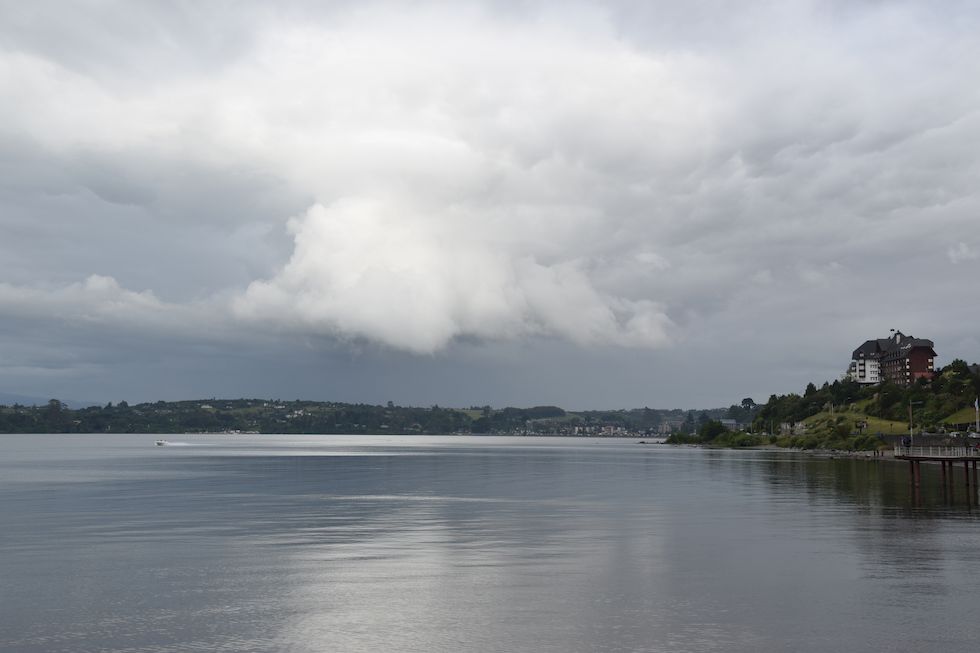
(489, 544)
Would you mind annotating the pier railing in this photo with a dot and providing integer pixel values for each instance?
(938, 452)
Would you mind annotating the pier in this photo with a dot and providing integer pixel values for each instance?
(947, 457)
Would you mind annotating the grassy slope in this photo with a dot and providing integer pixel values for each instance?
(875, 424)
(888, 427)
(965, 415)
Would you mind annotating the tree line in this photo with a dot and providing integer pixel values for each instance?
(278, 416)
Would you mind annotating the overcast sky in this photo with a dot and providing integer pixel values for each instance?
(670, 204)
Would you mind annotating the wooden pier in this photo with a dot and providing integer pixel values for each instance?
(947, 457)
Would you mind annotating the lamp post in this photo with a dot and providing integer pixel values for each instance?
(911, 434)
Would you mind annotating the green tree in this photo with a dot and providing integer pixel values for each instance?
(710, 430)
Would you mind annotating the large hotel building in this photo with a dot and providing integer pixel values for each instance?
(900, 359)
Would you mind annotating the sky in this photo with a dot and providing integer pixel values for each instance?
(589, 204)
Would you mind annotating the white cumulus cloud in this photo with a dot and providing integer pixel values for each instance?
(374, 269)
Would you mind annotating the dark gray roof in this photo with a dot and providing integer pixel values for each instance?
(889, 348)
(922, 342)
(869, 349)
(906, 344)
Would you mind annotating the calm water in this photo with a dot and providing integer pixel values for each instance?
(335, 543)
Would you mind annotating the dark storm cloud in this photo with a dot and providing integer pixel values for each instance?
(650, 189)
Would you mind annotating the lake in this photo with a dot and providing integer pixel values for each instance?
(446, 543)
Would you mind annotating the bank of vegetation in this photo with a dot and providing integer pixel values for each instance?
(846, 415)
(276, 416)
(715, 434)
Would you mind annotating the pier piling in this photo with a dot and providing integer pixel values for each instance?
(947, 457)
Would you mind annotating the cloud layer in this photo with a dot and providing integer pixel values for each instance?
(626, 174)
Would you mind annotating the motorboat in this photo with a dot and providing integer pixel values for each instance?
(162, 443)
